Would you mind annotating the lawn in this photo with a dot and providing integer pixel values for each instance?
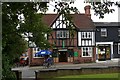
(108, 75)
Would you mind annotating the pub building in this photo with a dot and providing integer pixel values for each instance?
(69, 47)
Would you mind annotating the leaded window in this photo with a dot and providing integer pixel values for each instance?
(86, 51)
(86, 35)
(62, 34)
(86, 38)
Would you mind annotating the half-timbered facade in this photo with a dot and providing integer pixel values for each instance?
(62, 39)
(68, 47)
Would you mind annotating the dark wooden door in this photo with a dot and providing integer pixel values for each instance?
(62, 56)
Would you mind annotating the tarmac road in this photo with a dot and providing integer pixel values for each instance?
(29, 72)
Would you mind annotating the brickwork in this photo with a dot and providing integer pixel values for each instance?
(34, 61)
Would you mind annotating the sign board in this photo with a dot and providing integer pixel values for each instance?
(76, 54)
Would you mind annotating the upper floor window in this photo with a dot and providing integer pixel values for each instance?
(62, 34)
(103, 32)
(86, 35)
(86, 38)
(118, 31)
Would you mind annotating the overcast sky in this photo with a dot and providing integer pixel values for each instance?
(112, 17)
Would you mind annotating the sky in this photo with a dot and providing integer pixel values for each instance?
(112, 17)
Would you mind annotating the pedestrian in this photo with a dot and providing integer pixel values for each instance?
(48, 61)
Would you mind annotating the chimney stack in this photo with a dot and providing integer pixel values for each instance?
(87, 10)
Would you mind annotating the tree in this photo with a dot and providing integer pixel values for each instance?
(102, 7)
(14, 25)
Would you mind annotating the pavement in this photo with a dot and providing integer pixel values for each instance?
(29, 72)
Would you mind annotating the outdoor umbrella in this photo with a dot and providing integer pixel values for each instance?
(44, 52)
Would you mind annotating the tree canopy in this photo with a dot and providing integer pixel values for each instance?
(14, 25)
(102, 7)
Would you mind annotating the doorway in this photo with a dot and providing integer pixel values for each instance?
(63, 56)
(104, 52)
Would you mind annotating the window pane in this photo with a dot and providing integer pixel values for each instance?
(87, 54)
(61, 34)
(67, 34)
(85, 34)
(58, 34)
(118, 48)
(90, 35)
(87, 42)
(64, 34)
(86, 49)
(90, 42)
(83, 53)
(83, 43)
(82, 35)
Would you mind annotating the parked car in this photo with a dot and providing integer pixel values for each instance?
(24, 60)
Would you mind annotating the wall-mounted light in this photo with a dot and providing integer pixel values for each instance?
(97, 30)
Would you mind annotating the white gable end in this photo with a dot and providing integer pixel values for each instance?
(60, 22)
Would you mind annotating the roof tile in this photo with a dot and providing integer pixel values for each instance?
(81, 21)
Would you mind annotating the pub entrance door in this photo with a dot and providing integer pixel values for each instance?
(63, 56)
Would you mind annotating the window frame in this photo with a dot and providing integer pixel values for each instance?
(87, 49)
(62, 34)
(118, 48)
(103, 32)
(86, 35)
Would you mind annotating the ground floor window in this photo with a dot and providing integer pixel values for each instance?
(118, 48)
(34, 51)
(87, 51)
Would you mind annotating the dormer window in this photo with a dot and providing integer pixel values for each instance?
(103, 32)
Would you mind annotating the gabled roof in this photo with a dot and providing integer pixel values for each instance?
(48, 19)
(81, 21)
